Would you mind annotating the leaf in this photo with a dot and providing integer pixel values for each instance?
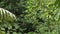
(6, 16)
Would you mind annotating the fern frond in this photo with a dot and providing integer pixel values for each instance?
(5, 15)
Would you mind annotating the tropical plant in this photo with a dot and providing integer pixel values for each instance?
(30, 17)
(6, 16)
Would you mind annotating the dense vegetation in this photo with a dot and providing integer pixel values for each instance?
(30, 17)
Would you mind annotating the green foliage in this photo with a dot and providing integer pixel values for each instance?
(32, 17)
(2, 32)
(6, 16)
